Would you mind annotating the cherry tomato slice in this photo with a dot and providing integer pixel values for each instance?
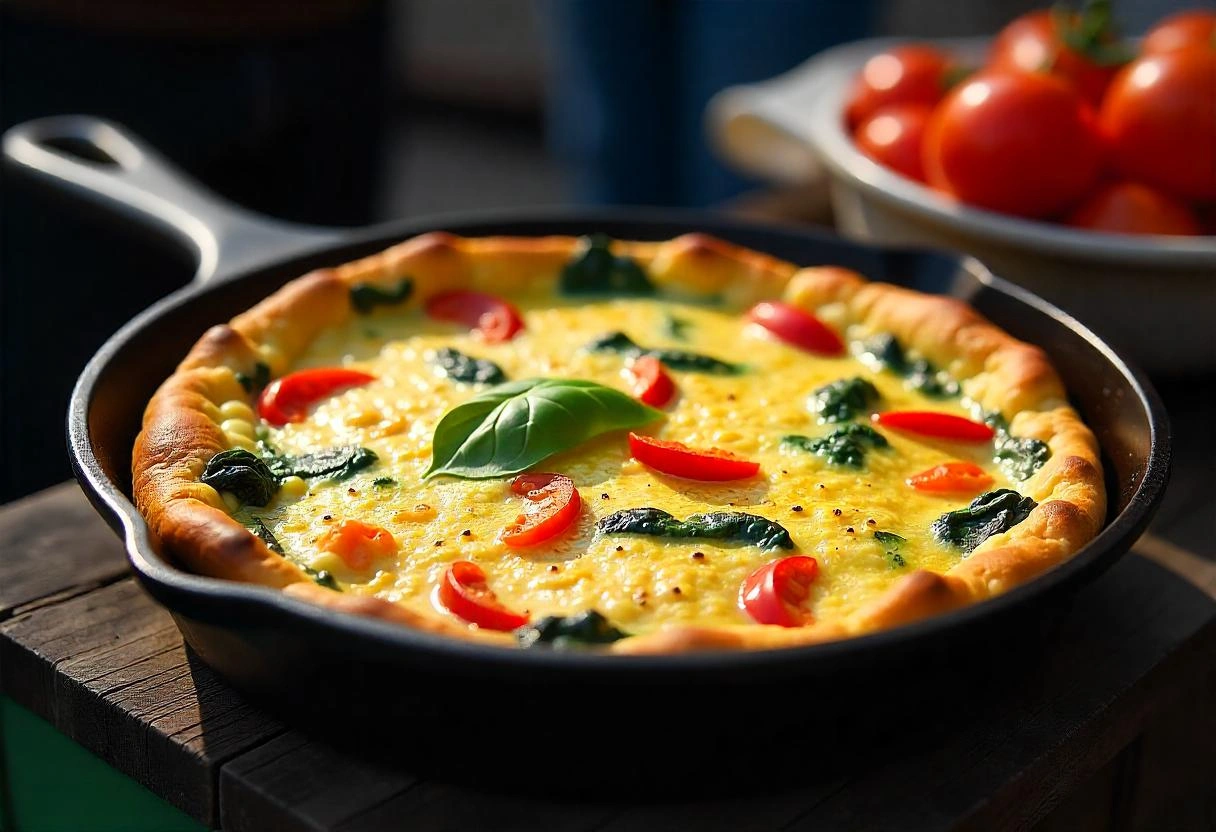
(650, 381)
(937, 425)
(773, 594)
(951, 478)
(494, 318)
(679, 460)
(358, 543)
(464, 593)
(287, 399)
(551, 505)
(797, 327)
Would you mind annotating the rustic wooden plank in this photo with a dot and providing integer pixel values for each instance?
(1002, 762)
(54, 543)
(294, 784)
(109, 670)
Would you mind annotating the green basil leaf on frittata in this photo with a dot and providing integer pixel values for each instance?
(596, 270)
(241, 473)
(514, 426)
(988, 514)
(365, 297)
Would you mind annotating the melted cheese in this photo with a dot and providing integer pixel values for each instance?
(638, 582)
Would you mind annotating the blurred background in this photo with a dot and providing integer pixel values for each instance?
(348, 112)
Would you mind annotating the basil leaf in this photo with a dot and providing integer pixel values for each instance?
(842, 400)
(336, 463)
(241, 473)
(365, 297)
(845, 446)
(598, 271)
(622, 344)
(512, 427)
(566, 631)
(891, 544)
(257, 381)
(1018, 456)
(988, 514)
(920, 373)
(460, 367)
(729, 526)
(267, 536)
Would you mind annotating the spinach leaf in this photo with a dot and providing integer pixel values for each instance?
(622, 344)
(323, 578)
(513, 426)
(842, 400)
(844, 446)
(335, 463)
(920, 373)
(565, 631)
(267, 536)
(676, 327)
(891, 544)
(241, 473)
(365, 297)
(598, 271)
(255, 382)
(1018, 456)
(384, 482)
(989, 514)
(729, 526)
(460, 367)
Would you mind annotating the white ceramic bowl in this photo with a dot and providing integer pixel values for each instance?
(1153, 296)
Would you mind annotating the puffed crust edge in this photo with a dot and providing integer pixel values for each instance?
(182, 424)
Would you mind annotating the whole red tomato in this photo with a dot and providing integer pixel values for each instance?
(1019, 143)
(910, 74)
(1159, 121)
(1179, 31)
(1132, 208)
(1082, 50)
(893, 137)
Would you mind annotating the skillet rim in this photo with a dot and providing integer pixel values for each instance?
(249, 605)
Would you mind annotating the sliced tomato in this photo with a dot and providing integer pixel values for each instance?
(952, 478)
(464, 593)
(679, 460)
(551, 505)
(494, 318)
(774, 593)
(650, 381)
(797, 327)
(937, 425)
(287, 399)
(358, 543)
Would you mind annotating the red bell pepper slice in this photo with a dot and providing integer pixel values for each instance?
(774, 593)
(650, 381)
(679, 460)
(358, 543)
(551, 505)
(797, 327)
(464, 593)
(952, 478)
(936, 425)
(492, 317)
(287, 399)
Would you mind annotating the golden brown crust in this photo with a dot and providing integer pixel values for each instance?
(999, 373)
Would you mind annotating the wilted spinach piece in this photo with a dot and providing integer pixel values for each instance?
(260, 378)
(267, 536)
(676, 327)
(843, 400)
(728, 526)
(365, 297)
(384, 482)
(692, 362)
(241, 473)
(323, 578)
(598, 271)
(920, 373)
(460, 367)
(891, 544)
(844, 446)
(565, 631)
(991, 513)
(335, 463)
(1019, 457)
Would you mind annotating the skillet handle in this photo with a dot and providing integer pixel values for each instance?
(101, 162)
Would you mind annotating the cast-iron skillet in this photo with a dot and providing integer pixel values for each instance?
(702, 719)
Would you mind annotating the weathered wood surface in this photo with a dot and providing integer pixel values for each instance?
(83, 646)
